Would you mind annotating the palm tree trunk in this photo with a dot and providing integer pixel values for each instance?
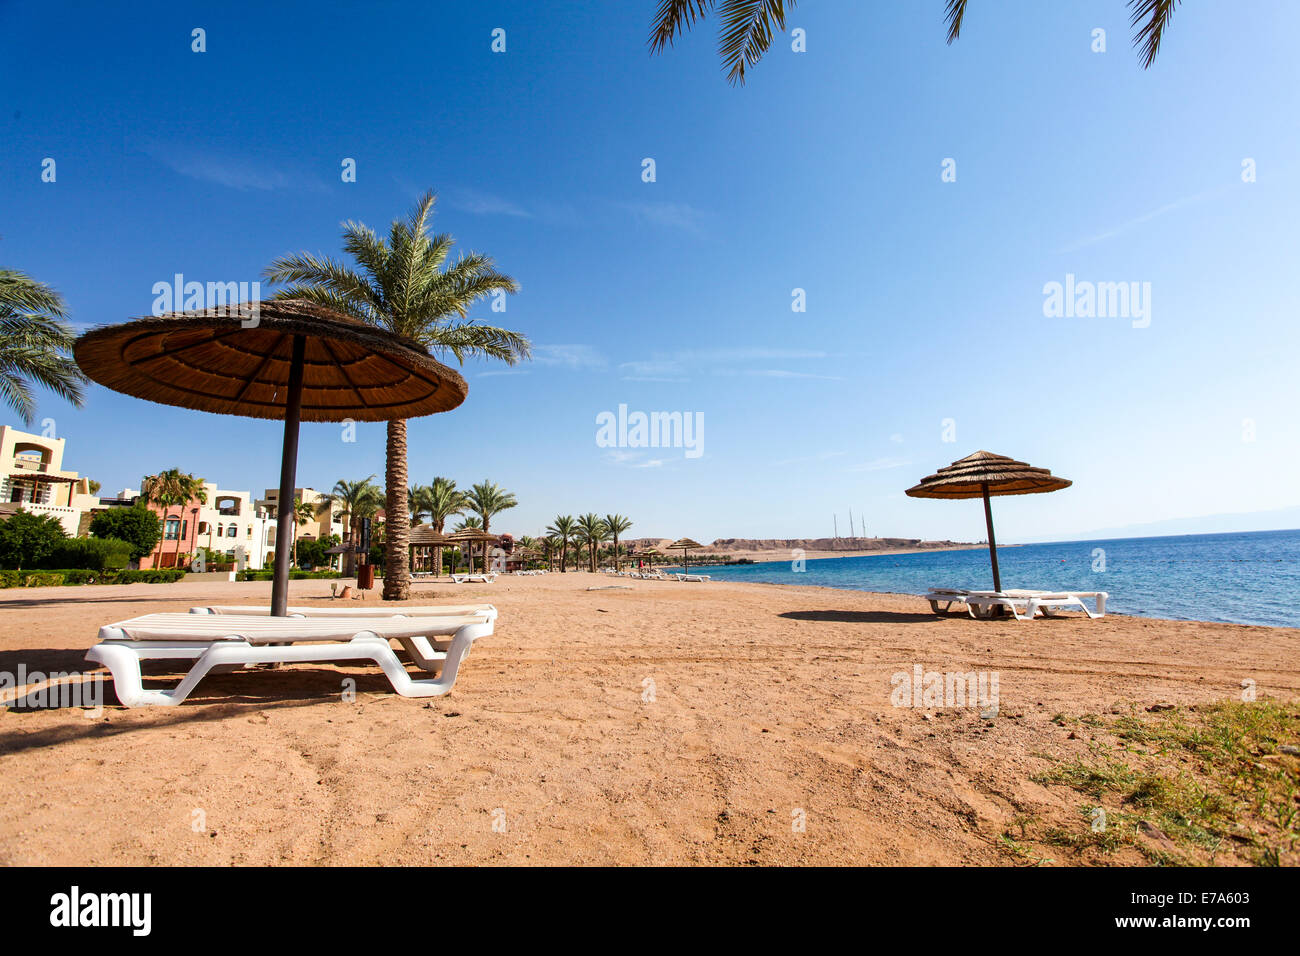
(397, 530)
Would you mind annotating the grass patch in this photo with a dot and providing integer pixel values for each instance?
(1186, 785)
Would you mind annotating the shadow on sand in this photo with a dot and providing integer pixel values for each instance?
(860, 617)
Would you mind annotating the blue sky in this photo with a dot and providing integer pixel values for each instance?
(924, 298)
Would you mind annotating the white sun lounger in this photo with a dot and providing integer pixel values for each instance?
(473, 578)
(228, 641)
(982, 603)
(328, 610)
(423, 649)
(692, 577)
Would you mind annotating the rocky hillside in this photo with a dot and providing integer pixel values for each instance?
(727, 545)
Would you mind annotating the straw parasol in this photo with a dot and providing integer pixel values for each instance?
(684, 544)
(982, 475)
(287, 359)
(468, 536)
(425, 536)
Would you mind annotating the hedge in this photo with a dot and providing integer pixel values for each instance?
(39, 579)
(249, 575)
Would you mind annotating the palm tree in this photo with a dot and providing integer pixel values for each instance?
(405, 285)
(549, 543)
(172, 489)
(592, 532)
(445, 501)
(359, 499)
(303, 512)
(35, 345)
(487, 499)
(747, 27)
(562, 528)
(418, 499)
(617, 524)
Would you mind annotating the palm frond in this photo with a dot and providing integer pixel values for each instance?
(954, 15)
(469, 339)
(747, 33)
(21, 293)
(672, 18)
(1154, 16)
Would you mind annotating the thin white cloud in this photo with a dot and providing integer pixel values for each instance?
(881, 464)
(674, 215)
(234, 172)
(1140, 220)
(485, 204)
(568, 356)
(806, 458)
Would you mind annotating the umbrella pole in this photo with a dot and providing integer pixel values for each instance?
(286, 518)
(993, 545)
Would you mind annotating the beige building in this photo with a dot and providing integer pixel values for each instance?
(32, 477)
(326, 520)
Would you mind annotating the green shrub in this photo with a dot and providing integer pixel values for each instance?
(27, 539)
(89, 554)
(137, 525)
(293, 575)
(35, 579)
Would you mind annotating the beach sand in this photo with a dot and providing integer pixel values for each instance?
(768, 702)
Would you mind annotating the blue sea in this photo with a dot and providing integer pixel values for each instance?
(1251, 578)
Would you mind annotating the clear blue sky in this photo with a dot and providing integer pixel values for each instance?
(924, 298)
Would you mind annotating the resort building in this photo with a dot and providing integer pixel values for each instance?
(326, 518)
(32, 478)
(223, 522)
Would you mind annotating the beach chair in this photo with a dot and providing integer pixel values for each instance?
(981, 604)
(473, 578)
(945, 596)
(228, 641)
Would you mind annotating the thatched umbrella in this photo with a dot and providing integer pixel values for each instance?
(982, 475)
(425, 537)
(468, 536)
(285, 359)
(684, 544)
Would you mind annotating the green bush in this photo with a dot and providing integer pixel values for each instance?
(89, 554)
(137, 525)
(293, 575)
(35, 579)
(27, 539)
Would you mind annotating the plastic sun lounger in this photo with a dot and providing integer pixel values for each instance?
(982, 603)
(693, 577)
(228, 641)
(427, 610)
(473, 578)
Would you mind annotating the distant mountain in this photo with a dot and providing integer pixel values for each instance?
(725, 545)
(1277, 520)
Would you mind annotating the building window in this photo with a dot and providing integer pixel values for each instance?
(250, 532)
(232, 531)
(172, 529)
(219, 531)
(185, 525)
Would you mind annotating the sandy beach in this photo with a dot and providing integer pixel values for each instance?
(656, 723)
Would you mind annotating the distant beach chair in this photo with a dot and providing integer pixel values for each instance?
(473, 578)
(225, 642)
(980, 604)
(692, 577)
